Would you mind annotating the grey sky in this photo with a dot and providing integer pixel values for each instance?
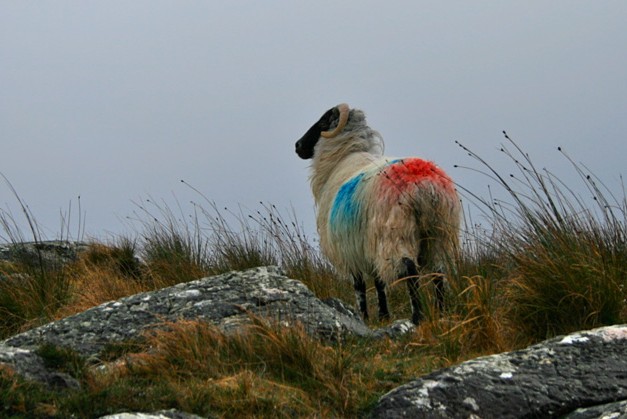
(118, 100)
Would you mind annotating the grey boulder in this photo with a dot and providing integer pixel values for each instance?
(551, 379)
(225, 300)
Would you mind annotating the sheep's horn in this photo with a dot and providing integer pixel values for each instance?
(344, 110)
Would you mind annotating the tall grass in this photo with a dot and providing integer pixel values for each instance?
(265, 368)
(211, 241)
(566, 256)
(32, 286)
(173, 249)
(104, 272)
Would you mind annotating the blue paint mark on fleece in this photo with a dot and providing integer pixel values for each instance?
(345, 209)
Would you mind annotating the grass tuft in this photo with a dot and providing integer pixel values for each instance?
(104, 273)
(565, 260)
(264, 370)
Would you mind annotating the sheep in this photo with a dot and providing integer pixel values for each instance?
(379, 217)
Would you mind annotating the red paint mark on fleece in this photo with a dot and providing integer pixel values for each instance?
(401, 173)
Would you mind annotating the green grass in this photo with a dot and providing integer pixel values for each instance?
(548, 262)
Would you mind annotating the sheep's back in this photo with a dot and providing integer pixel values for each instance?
(380, 215)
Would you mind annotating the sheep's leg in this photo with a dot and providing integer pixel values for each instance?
(360, 295)
(413, 285)
(426, 254)
(384, 314)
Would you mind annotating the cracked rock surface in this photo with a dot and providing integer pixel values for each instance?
(555, 378)
(48, 252)
(162, 414)
(224, 300)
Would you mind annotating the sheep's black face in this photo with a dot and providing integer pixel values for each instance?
(305, 146)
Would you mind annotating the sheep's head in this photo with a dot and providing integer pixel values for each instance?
(328, 126)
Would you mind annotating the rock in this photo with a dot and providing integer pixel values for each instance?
(162, 414)
(396, 329)
(550, 379)
(224, 300)
(29, 257)
(30, 365)
(614, 410)
(56, 252)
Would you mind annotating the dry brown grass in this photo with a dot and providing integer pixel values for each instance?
(264, 370)
(474, 323)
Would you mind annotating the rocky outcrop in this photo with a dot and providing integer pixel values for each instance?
(162, 414)
(225, 300)
(616, 410)
(56, 252)
(31, 366)
(581, 375)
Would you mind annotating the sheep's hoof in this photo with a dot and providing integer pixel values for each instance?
(416, 318)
